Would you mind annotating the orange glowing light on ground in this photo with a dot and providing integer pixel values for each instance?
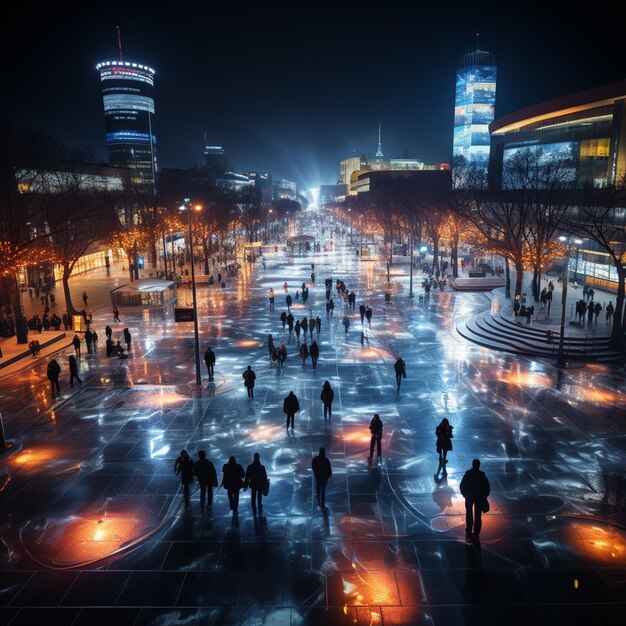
(35, 456)
(602, 544)
(76, 540)
(526, 379)
(266, 433)
(247, 343)
(602, 395)
(366, 588)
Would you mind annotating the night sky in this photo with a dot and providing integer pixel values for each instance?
(294, 90)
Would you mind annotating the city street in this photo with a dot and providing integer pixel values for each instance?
(93, 521)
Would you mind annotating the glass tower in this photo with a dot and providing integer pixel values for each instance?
(474, 110)
(127, 95)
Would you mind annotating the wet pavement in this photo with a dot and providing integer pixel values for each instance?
(94, 526)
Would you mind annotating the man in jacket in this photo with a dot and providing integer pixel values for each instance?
(53, 372)
(376, 428)
(248, 380)
(205, 472)
(232, 481)
(322, 472)
(314, 352)
(256, 478)
(474, 488)
(209, 359)
(400, 370)
(183, 467)
(291, 406)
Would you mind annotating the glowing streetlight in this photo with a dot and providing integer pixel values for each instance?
(186, 206)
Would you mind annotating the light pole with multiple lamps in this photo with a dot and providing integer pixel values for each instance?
(187, 206)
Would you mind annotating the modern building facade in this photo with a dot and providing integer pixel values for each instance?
(474, 110)
(587, 130)
(128, 98)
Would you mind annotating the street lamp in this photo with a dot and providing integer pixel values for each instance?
(186, 206)
(560, 361)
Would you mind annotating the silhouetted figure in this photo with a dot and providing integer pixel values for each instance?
(291, 406)
(209, 359)
(116, 314)
(362, 312)
(127, 339)
(53, 372)
(346, 324)
(85, 297)
(314, 352)
(327, 396)
(76, 344)
(368, 316)
(74, 370)
(444, 444)
(376, 428)
(183, 467)
(248, 380)
(400, 368)
(322, 472)
(232, 481)
(474, 488)
(205, 472)
(256, 478)
(304, 353)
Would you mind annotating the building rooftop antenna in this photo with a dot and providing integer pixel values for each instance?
(379, 152)
(477, 42)
(119, 41)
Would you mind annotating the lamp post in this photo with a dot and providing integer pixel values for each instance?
(186, 206)
(560, 360)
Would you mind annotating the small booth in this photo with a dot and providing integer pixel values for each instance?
(145, 292)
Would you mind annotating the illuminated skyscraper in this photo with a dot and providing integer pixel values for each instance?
(127, 94)
(474, 110)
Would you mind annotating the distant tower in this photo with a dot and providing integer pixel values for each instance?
(127, 95)
(474, 109)
(379, 151)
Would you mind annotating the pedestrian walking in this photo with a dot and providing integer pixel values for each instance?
(311, 326)
(327, 396)
(346, 324)
(376, 428)
(610, 309)
(209, 359)
(53, 372)
(368, 316)
(444, 445)
(74, 370)
(116, 313)
(400, 368)
(232, 481)
(331, 305)
(314, 352)
(88, 340)
(297, 329)
(183, 467)
(94, 340)
(127, 339)
(475, 488)
(322, 471)
(291, 406)
(285, 287)
(362, 312)
(270, 347)
(108, 331)
(289, 301)
(248, 380)
(205, 472)
(283, 318)
(282, 356)
(304, 353)
(85, 297)
(271, 297)
(256, 478)
(76, 344)
(318, 323)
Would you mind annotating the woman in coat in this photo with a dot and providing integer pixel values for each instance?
(304, 353)
(232, 481)
(183, 467)
(327, 397)
(444, 444)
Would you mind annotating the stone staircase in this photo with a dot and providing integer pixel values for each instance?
(499, 333)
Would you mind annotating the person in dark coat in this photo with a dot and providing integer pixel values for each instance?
(248, 380)
(314, 352)
(209, 359)
(282, 356)
(297, 329)
(108, 331)
(400, 369)
(232, 481)
(304, 353)
(76, 344)
(183, 467)
(127, 339)
(331, 305)
(311, 326)
(205, 472)
(256, 477)
(322, 472)
(67, 320)
(74, 370)
(327, 396)
(474, 488)
(289, 301)
(283, 318)
(362, 312)
(318, 323)
(304, 325)
(291, 406)
(89, 340)
(444, 444)
(368, 316)
(53, 372)
(376, 428)
(346, 324)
